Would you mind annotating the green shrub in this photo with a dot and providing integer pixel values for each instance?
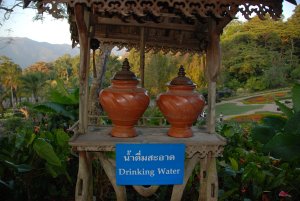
(245, 171)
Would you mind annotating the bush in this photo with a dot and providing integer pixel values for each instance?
(36, 164)
(245, 171)
(262, 157)
(255, 84)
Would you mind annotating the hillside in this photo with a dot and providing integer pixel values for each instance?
(24, 51)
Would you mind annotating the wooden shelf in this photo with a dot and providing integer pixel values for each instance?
(99, 139)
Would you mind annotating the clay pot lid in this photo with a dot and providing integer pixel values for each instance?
(125, 73)
(181, 79)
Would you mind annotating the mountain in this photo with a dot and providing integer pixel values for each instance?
(25, 52)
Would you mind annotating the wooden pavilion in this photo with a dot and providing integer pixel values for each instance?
(169, 25)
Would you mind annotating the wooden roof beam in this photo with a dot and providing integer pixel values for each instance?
(136, 39)
(191, 45)
(163, 25)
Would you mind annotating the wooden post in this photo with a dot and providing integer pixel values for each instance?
(84, 184)
(213, 60)
(110, 170)
(189, 166)
(203, 180)
(209, 179)
(82, 22)
(142, 56)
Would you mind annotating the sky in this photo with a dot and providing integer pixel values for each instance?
(21, 24)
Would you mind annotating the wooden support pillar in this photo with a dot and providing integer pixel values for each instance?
(208, 179)
(189, 166)
(110, 170)
(142, 56)
(203, 180)
(213, 60)
(84, 184)
(211, 120)
(82, 21)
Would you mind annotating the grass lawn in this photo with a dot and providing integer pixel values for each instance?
(233, 109)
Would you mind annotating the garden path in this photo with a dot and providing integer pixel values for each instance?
(270, 107)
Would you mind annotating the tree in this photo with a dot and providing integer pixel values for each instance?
(33, 82)
(9, 7)
(243, 58)
(261, 54)
(195, 69)
(113, 65)
(292, 34)
(160, 70)
(3, 94)
(134, 61)
(293, 24)
(63, 67)
(9, 76)
(40, 66)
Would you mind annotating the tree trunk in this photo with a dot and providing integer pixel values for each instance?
(16, 97)
(94, 107)
(1, 105)
(292, 51)
(12, 97)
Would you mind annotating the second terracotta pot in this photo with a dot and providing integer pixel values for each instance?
(181, 105)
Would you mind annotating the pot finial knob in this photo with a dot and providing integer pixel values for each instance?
(181, 72)
(181, 79)
(125, 73)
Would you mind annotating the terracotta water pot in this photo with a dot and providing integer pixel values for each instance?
(181, 105)
(124, 102)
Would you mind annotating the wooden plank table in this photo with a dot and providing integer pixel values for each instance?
(201, 148)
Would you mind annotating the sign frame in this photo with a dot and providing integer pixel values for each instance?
(150, 164)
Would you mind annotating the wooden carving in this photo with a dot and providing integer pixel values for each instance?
(183, 22)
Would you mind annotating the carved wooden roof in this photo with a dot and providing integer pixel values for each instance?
(169, 25)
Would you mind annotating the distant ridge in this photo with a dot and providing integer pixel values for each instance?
(25, 52)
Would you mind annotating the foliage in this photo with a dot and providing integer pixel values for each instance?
(9, 74)
(262, 157)
(62, 105)
(66, 68)
(40, 66)
(255, 84)
(34, 80)
(35, 157)
(161, 69)
(3, 96)
(8, 8)
(154, 116)
(33, 83)
(113, 65)
(245, 171)
(281, 137)
(34, 161)
(134, 61)
(261, 54)
(157, 78)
